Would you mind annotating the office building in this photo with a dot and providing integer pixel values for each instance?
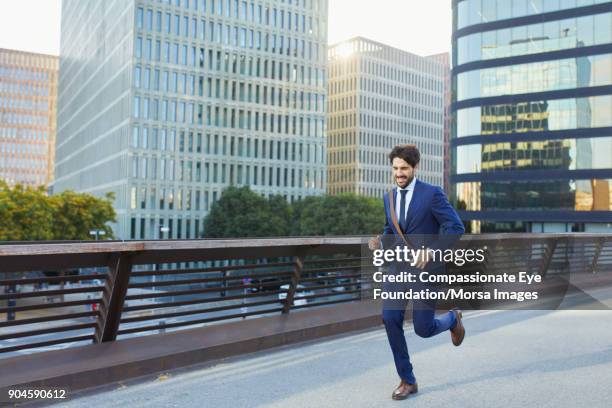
(379, 97)
(532, 132)
(28, 95)
(166, 103)
(444, 59)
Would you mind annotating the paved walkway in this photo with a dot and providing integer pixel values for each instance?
(508, 359)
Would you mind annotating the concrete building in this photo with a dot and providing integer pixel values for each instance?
(166, 103)
(28, 100)
(380, 96)
(532, 97)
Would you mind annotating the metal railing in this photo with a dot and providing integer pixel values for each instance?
(140, 287)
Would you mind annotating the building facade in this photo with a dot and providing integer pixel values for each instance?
(532, 125)
(166, 103)
(444, 59)
(28, 100)
(379, 97)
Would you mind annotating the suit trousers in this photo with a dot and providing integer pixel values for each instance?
(425, 322)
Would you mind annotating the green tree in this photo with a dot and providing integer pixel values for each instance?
(28, 214)
(241, 212)
(344, 214)
(25, 213)
(75, 215)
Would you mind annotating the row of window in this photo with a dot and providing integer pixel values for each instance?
(230, 90)
(24, 104)
(536, 38)
(595, 70)
(225, 62)
(26, 74)
(225, 145)
(27, 164)
(470, 12)
(190, 171)
(211, 5)
(399, 124)
(22, 59)
(24, 88)
(151, 20)
(412, 95)
(11, 118)
(28, 179)
(340, 99)
(190, 113)
(164, 230)
(418, 110)
(405, 76)
(566, 154)
(229, 35)
(426, 129)
(371, 140)
(542, 115)
(23, 134)
(29, 149)
(536, 195)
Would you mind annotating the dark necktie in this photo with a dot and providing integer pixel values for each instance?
(402, 217)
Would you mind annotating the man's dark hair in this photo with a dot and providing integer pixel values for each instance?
(407, 152)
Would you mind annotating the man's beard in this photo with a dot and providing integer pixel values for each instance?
(409, 180)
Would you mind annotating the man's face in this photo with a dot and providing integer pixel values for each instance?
(403, 172)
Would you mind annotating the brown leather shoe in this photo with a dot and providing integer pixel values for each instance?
(458, 332)
(404, 390)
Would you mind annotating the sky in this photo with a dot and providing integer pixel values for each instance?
(422, 27)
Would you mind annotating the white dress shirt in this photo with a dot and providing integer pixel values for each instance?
(398, 198)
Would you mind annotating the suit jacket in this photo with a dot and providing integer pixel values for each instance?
(431, 220)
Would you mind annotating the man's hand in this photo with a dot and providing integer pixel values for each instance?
(374, 243)
(423, 259)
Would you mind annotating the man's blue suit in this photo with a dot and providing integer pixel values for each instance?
(429, 212)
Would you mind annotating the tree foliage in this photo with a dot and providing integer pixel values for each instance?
(241, 212)
(344, 214)
(25, 214)
(75, 215)
(28, 213)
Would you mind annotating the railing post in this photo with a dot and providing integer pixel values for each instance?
(11, 315)
(551, 246)
(113, 297)
(599, 244)
(295, 280)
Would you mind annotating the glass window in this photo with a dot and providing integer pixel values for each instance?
(565, 154)
(519, 8)
(550, 5)
(603, 28)
(136, 106)
(535, 38)
(536, 77)
(138, 47)
(139, 18)
(149, 20)
(471, 12)
(137, 77)
(578, 195)
(504, 9)
(559, 114)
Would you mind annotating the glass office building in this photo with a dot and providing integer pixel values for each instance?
(166, 103)
(531, 141)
